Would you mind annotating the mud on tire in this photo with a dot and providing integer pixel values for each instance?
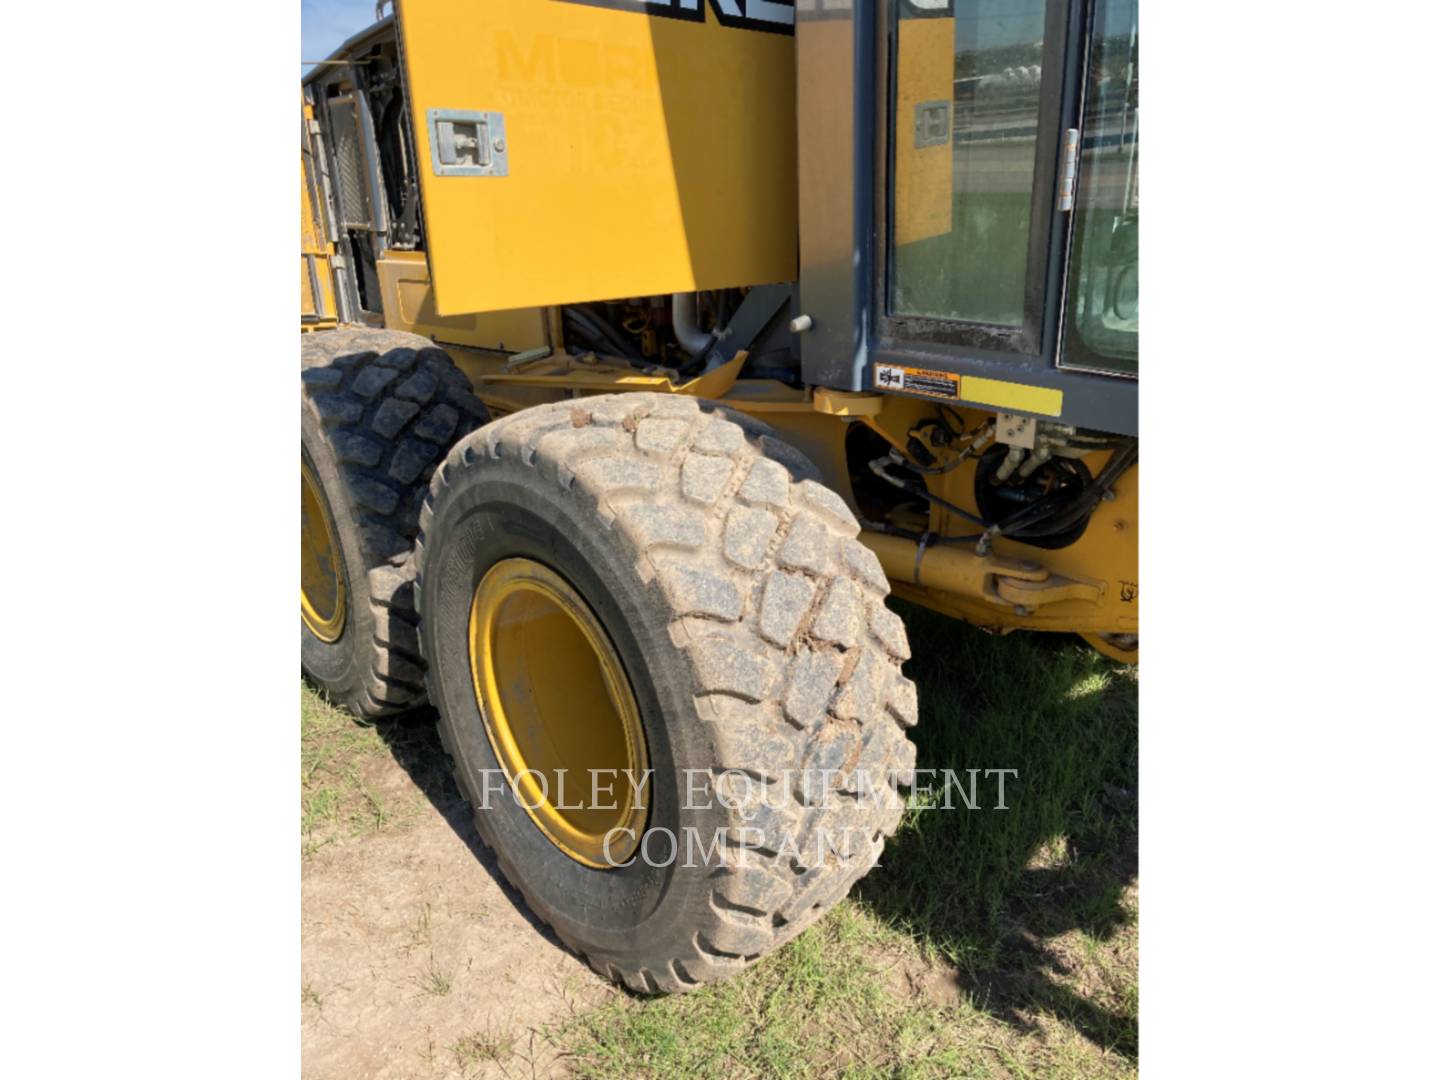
(378, 410)
(752, 624)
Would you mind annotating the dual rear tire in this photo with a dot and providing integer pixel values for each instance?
(663, 664)
(378, 410)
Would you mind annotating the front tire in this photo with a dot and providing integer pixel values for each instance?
(751, 625)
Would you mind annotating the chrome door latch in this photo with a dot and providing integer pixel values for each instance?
(467, 143)
(1069, 166)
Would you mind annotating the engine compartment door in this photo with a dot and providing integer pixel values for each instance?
(580, 150)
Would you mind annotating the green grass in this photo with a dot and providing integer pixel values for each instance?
(1061, 856)
(491, 1043)
(435, 979)
(822, 1006)
(337, 798)
(311, 997)
(341, 762)
(989, 943)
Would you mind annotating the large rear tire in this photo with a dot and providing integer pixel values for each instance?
(378, 409)
(750, 625)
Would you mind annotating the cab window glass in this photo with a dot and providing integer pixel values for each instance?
(1102, 310)
(967, 101)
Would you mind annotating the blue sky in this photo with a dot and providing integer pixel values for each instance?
(324, 24)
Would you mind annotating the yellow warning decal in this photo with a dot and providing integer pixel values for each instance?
(914, 380)
(1009, 396)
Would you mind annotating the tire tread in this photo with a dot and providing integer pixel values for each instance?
(742, 601)
(378, 397)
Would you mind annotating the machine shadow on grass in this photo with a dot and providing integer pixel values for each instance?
(987, 892)
(992, 891)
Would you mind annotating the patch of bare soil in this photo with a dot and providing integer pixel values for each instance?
(418, 961)
(910, 976)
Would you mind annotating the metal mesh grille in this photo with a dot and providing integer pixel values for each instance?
(350, 164)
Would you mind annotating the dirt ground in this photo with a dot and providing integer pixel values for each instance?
(415, 948)
(417, 960)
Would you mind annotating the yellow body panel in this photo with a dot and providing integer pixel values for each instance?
(307, 290)
(409, 304)
(645, 155)
(1011, 396)
(924, 174)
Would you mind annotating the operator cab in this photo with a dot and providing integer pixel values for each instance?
(969, 230)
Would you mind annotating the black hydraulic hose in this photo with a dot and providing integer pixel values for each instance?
(600, 333)
(1047, 516)
(930, 539)
(1051, 515)
(584, 334)
(602, 319)
(607, 332)
(1041, 510)
(878, 468)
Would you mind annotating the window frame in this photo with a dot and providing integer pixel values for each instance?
(1064, 322)
(1031, 342)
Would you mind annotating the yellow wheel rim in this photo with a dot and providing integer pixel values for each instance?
(559, 712)
(322, 582)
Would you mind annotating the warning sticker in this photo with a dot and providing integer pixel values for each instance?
(917, 381)
(1006, 396)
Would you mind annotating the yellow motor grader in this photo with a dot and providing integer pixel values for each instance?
(647, 346)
